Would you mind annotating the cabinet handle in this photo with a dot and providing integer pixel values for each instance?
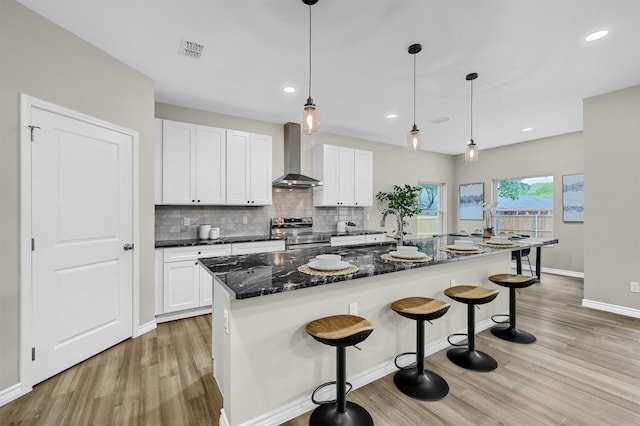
(193, 201)
(199, 252)
(196, 263)
(198, 200)
(252, 201)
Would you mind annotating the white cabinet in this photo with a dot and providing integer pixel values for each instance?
(193, 164)
(258, 247)
(347, 175)
(186, 285)
(357, 240)
(374, 238)
(249, 172)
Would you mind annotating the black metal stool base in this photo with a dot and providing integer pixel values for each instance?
(513, 334)
(472, 360)
(427, 386)
(328, 414)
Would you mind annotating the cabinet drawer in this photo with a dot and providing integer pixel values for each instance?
(351, 240)
(177, 254)
(374, 238)
(257, 247)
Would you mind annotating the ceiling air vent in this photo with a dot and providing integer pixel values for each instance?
(191, 49)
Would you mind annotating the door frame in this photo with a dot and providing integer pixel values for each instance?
(26, 103)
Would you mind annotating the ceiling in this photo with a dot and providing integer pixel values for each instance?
(533, 63)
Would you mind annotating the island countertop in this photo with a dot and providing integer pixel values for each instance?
(254, 275)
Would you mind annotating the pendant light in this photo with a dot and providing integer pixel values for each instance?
(471, 154)
(309, 110)
(414, 138)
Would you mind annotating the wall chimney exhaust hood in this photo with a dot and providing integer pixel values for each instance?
(292, 177)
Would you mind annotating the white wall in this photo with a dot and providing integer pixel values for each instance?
(554, 156)
(40, 59)
(612, 197)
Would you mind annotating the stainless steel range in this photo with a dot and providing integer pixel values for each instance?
(298, 232)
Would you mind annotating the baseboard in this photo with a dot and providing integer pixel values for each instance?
(552, 271)
(172, 316)
(145, 328)
(9, 394)
(607, 307)
(302, 405)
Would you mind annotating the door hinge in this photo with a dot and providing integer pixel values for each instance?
(33, 127)
(33, 244)
(33, 354)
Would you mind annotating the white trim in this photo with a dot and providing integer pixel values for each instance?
(301, 405)
(172, 316)
(145, 328)
(607, 307)
(553, 271)
(26, 104)
(9, 394)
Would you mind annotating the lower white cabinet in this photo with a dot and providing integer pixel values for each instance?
(356, 240)
(258, 247)
(185, 284)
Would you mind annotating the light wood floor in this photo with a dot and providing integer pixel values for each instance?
(583, 370)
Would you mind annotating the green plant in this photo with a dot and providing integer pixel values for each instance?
(402, 198)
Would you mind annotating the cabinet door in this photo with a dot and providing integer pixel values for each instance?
(206, 287)
(363, 178)
(178, 174)
(260, 178)
(210, 170)
(238, 144)
(346, 177)
(181, 285)
(326, 169)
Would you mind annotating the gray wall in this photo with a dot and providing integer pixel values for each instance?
(554, 156)
(612, 197)
(40, 59)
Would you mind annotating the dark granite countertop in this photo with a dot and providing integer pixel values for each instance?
(251, 238)
(261, 274)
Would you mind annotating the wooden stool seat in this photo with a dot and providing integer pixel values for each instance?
(471, 294)
(512, 333)
(420, 308)
(512, 280)
(340, 330)
(468, 357)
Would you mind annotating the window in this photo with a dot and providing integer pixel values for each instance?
(429, 222)
(525, 206)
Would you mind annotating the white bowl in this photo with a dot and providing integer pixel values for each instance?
(502, 240)
(328, 259)
(407, 250)
(463, 243)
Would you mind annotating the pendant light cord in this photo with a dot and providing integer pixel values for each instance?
(471, 111)
(414, 90)
(309, 51)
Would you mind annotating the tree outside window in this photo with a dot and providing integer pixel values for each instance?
(525, 206)
(429, 222)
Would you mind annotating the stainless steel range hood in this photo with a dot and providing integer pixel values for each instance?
(292, 177)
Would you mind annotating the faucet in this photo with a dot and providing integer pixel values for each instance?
(400, 232)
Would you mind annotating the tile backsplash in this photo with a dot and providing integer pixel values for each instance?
(246, 221)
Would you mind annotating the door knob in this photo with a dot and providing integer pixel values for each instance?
(128, 247)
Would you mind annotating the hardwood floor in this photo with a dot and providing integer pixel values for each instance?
(583, 370)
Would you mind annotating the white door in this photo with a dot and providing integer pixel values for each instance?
(82, 217)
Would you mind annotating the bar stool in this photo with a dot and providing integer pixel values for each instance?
(511, 333)
(468, 357)
(339, 331)
(417, 382)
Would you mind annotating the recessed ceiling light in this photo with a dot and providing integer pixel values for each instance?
(596, 36)
(527, 129)
(289, 89)
(392, 115)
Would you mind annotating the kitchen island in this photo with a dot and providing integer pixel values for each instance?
(265, 364)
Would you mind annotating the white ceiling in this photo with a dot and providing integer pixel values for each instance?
(533, 63)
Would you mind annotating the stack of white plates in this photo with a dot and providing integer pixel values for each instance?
(328, 262)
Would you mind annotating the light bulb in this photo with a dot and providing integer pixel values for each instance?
(471, 153)
(414, 139)
(309, 119)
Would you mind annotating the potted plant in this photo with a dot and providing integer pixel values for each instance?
(404, 199)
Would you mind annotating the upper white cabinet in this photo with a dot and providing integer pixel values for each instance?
(347, 175)
(211, 166)
(249, 173)
(193, 164)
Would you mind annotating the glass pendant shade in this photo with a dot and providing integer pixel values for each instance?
(310, 119)
(414, 139)
(471, 153)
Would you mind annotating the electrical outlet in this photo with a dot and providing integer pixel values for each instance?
(186, 221)
(244, 220)
(634, 287)
(452, 283)
(353, 308)
(226, 321)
